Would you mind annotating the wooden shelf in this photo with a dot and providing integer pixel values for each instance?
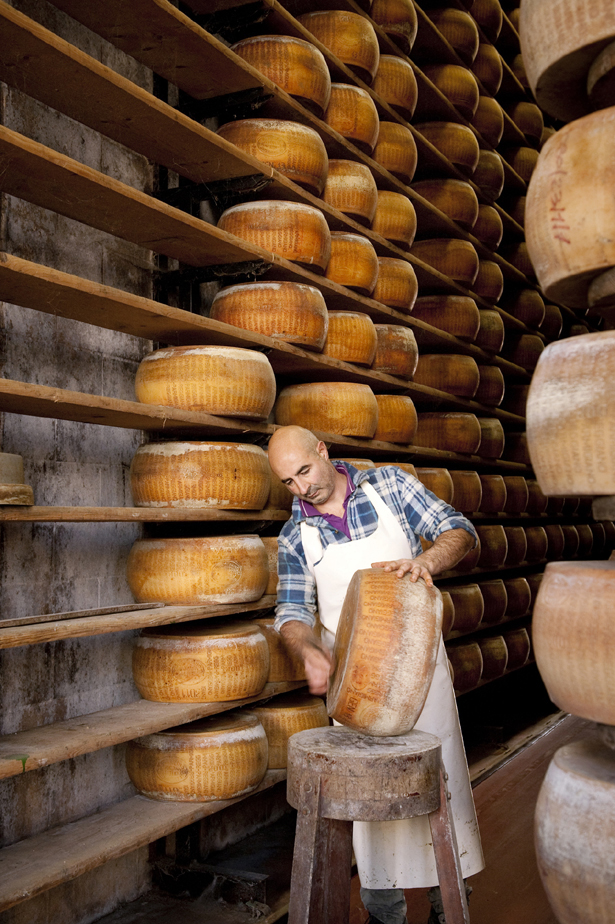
(136, 515)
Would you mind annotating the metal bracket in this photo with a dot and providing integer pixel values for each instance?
(250, 269)
(239, 105)
(220, 192)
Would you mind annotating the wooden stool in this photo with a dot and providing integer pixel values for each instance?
(337, 776)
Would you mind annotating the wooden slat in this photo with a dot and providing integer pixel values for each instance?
(135, 515)
(75, 614)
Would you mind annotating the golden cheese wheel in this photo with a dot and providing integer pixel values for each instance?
(459, 29)
(198, 570)
(454, 431)
(397, 285)
(396, 84)
(438, 481)
(353, 263)
(534, 581)
(467, 662)
(271, 547)
(448, 614)
(496, 601)
(488, 227)
(351, 189)
(523, 160)
(515, 399)
(292, 230)
(395, 218)
(288, 311)
(517, 494)
(599, 535)
(363, 465)
(398, 19)
(586, 540)
(518, 255)
(490, 336)
(200, 662)
(455, 198)
(385, 653)
(455, 141)
(349, 36)
(488, 14)
(492, 438)
(285, 716)
(397, 419)
(571, 541)
(609, 531)
(489, 282)
(517, 66)
(494, 546)
(493, 498)
(491, 386)
(488, 69)
(528, 306)
(397, 351)
(298, 67)
(454, 373)
(456, 314)
(513, 16)
(516, 209)
(467, 491)
(537, 501)
(351, 338)
(488, 120)
(517, 545)
(547, 133)
(212, 759)
(13, 491)
(200, 474)
(396, 150)
(469, 606)
(495, 656)
(282, 665)
(229, 381)
(537, 544)
(280, 497)
(352, 113)
(528, 119)
(555, 541)
(489, 174)
(519, 597)
(452, 257)
(470, 559)
(518, 645)
(293, 149)
(458, 84)
(347, 408)
(406, 467)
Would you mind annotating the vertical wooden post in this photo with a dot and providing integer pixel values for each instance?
(445, 848)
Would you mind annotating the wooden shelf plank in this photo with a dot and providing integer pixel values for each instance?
(135, 515)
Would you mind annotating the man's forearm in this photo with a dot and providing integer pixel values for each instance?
(298, 636)
(447, 551)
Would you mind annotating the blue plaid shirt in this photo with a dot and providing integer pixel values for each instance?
(420, 513)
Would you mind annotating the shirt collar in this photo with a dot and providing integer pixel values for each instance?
(356, 477)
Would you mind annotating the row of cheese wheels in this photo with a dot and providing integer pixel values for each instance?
(487, 658)
(468, 607)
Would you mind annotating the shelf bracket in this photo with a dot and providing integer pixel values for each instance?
(221, 192)
(241, 104)
(251, 269)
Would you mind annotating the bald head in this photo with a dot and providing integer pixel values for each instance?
(287, 439)
(301, 461)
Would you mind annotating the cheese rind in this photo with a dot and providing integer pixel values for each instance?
(349, 36)
(397, 285)
(456, 314)
(458, 84)
(397, 419)
(452, 257)
(467, 491)
(285, 716)
(455, 141)
(282, 665)
(396, 84)
(351, 189)
(398, 19)
(454, 431)
(467, 662)
(396, 150)
(438, 481)
(454, 373)
(347, 408)
(395, 218)
(352, 112)
(353, 263)
(397, 352)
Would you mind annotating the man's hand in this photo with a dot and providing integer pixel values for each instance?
(403, 566)
(301, 641)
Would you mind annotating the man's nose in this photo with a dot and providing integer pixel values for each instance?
(303, 485)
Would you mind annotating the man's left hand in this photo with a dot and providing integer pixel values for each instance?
(403, 566)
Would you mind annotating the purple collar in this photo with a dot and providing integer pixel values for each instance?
(338, 523)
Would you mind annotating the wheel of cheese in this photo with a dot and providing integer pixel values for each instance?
(467, 662)
(396, 150)
(293, 149)
(458, 84)
(353, 263)
(528, 119)
(523, 349)
(397, 419)
(586, 540)
(495, 656)
(488, 120)
(577, 330)
(385, 653)
(528, 306)
(534, 581)
(571, 542)
(271, 548)
(349, 36)
(517, 545)
(288, 311)
(280, 497)
(448, 614)
(575, 831)
(517, 66)
(228, 381)
(555, 541)
(282, 665)
(221, 757)
(601, 79)
(452, 257)
(489, 174)
(518, 645)
(496, 601)
(513, 16)
(491, 386)
(493, 494)
(200, 662)
(352, 113)
(517, 494)
(362, 464)
(397, 352)
(489, 282)
(599, 539)
(536, 501)
(451, 372)
(492, 438)
(347, 408)
(469, 606)
(517, 451)
(438, 481)
(459, 29)
(547, 133)
(395, 218)
(13, 491)
(397, 285)
(523, 160)
(488, 14)
(351, 189)
(285, 716)
(406, 467)
(519, 597)
(518, 255)
(515, 399)
(298, 67)
(351, 338)
(571, 506)
(488, 227)
(455, 141)
(467, 491)
(199, 474)
(537, 544)
(396, 84)
(494, 546)
(455, 198)
(470, 559)
(456, 314)
(516, 209)
(488, 68)
(398, 19)
(454, 431)
(292, 230)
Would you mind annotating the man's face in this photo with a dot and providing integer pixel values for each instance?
(307, 474)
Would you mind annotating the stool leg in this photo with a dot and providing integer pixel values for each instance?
(322, 860)
(446, 851)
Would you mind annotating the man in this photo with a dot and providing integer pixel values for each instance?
(344, 520)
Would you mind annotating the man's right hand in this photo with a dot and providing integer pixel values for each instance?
(302, 641)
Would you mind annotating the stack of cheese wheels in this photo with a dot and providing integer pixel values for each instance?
(488, 227)
(289, 311)
(351, 189)
(494, 494)
(438, 481)
(452, 257)
(569, 409)
(396, 352)
(518, 645)
(285, 716)
(458, 85)
(519, 597)
(459, 29)
(396, 150)
(495, 598)
(528, 306)
(195, 474)
(488, 120)
(271, 547)
(298, 67)
(200, 662)
(495, 656)
(280, 497)
(488, 68)
(494, 546)
(467, 662)
(575, 833)
(396, 84)
(467, 491)
(489, 174)
(469, 606)
(456, 314)
(352, 112)
(293, 149)
(517, 545)
(292, 230)
(455, 198)
(451, 372)
(489, 281)
(229, 381)
(351, 337)
(456, 142)
(395, 218)
(398, 19)
(491, 386)
(517, 494)
(397, 285)
(397, 419)
(349, 36)
(353, 263)
(222, 757)
(385, 653)
(453, 431)
(13, 490)
(198, 570)
(282, 665)
(347, 408)
(490, 336)
(492, 438)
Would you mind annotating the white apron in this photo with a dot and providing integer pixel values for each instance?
(398, 854)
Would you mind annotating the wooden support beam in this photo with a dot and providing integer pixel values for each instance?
(136, 515)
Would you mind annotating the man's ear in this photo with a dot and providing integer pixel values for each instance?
(322, 450)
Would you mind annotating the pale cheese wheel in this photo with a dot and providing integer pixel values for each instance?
(489, 174)
(496, 601)
(353, 263)
(438, 481)
(298, 67)
(537, 544)
(495, 656)
(285, 716)
(518, 645)
(351, 189)
(289, 311)
(536, 501)
(517, 545)
(16, 495)
(396, 84)
(491, 386)
(528, 119)
(292, 230)
(347, 408)
(456, 314)
(397, 285)
(490, 336)
(395, 218)
(455, 198)
(397, 419)
(397, 351)
(293, 149)
(351, 338)
(488, 227)
(363, 465)
(494, 546)
(467, 662)
(229, 381)
(212, 759)
(493, 497)
(492, 438)
(282, 665)
(396, 150)
(489, 281)
(349, 36)
(488, 69)
(523, 160)
(488, 14)
(199, 474)
(453, 257)
(488, 120)
(519, 597)
(469, 606)
(467, 491)
(555, 541)
(385, 653)
(454, 373)
(198, 570)
(454, 431)
(517, 494)
(271, 547)
(459, 29)
(455, 141)
(200, 662)
(398, 19)
(458, 84)
(528, 306)
(352, 113)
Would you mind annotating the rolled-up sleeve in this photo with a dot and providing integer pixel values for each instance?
(296, 586)
(427, 514)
